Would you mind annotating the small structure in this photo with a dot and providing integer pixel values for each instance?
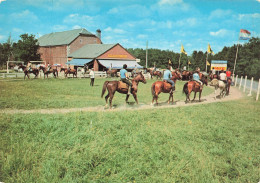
(219, 65)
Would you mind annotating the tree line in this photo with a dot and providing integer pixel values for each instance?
(248, 58)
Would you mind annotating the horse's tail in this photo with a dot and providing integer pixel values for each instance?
(153, 89)
(185, 88)
(104, 88)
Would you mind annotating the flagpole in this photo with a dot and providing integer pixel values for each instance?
(146, 57)
(236, 58)
(179, 61)
(206, 62)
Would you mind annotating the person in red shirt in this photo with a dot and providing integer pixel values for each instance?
(228, 74)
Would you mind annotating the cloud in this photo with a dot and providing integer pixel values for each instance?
(2, 1)
(219, 13)
(2, 37)
(220, 33)
(76, 27)
(248, 16)
(142, 36)
(25, 16)
(58, 28)
(258, 1)
(118, 31)
(170, 2)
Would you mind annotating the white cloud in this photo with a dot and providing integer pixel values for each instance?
(108, 29)
(58, 28)
(2, 37)
(2, 1)
(219, 13)
(258, 1)
(118, 31)
(78, 19)
(170, 2)
(220, 33)
(76, 27)
(141, 36)
(25, 15)
(248, 16)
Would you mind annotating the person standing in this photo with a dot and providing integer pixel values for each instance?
(92, 77)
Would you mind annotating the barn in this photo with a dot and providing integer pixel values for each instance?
(78, 47)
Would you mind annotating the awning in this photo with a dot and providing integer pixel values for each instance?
(79, 62)
(218, 61)
(118, 64)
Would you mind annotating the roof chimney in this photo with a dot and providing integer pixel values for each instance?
(98, 34)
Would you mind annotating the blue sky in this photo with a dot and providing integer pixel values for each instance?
(165, 24)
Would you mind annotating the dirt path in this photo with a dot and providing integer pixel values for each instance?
(234, 95)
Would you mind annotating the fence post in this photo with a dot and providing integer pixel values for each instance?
(245, 84)
(240, 82)
(251, 86)
(257, 95)
(236, 81)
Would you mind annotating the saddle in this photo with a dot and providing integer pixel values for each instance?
(197, 84)
(122, 85)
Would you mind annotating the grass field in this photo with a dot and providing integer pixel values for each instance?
(218, 142)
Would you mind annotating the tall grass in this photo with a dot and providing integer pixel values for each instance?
(218, 142)
(69, 93)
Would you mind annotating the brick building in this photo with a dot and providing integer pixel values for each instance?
(55, 47)
(78, 47)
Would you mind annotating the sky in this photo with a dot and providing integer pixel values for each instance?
(164, 24)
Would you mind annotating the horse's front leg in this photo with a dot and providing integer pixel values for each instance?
(106, 97)
(135, 97)
(194, 96)
(200, 95)
(126, 99)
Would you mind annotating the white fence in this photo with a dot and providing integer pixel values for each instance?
(248, 85)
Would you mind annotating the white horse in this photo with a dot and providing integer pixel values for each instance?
(219, 85)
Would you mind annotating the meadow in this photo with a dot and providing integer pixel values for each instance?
(217, 142)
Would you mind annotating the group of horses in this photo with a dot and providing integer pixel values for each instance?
(156, 88)
(46, 71)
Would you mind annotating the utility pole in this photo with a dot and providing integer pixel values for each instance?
(146, 58)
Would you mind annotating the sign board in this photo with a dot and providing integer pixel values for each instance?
(138, 60)
(219, 65)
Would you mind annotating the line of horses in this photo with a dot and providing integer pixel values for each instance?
(156, 88)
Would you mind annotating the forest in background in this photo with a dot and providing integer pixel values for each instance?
(248, 58)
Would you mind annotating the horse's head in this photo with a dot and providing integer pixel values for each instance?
(140, 77)
(204, 79)
(176, 74)
(62, 69)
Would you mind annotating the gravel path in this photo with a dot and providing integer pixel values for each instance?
(234, 95)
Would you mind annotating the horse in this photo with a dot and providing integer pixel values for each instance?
(47, 72)
(155, 73)
(119, 86)
(112, 72)
(163, 86)
(27, 72)
(186, 75)
(194, 86)
(229, 81)
(71, 71)
(218, 84)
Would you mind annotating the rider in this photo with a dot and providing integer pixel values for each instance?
(69, 68)
(124, 78)
(29, 66)
(196, 77)
(228, 74)
(154, 68)
(167, 77)
(49, 67)
(223, 77)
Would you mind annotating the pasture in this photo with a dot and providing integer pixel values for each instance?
(217, 142)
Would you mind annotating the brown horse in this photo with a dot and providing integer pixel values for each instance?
(47, 72)
(26, 72)
(158, 74)
(119, 86)
(163, 86)
(112, 73)
(186, 75)
(71, 71)
(194, 86)
(229, 81)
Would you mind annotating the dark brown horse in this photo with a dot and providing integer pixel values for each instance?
(119, 86)
(112, 73)
(194, 86)
(229, 81)
(71, 71)
(163, 86)
(186, 75)
(47, 72)
(158, 74)
(26, 72)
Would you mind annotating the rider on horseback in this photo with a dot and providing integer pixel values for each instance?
(29, 66)
(223, 77)
(228, 74)
(48, 67)
(124, 78)
(167, 77)
(196, 77)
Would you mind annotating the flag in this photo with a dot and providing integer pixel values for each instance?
(189, 62)
(244, 34)
(208, 63)
(182, 50)
(170, 63)
(210, 50)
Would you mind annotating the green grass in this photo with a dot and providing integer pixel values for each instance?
(218, 142)
(69, 93)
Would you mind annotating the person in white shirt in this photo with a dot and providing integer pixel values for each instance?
(92, 77)
(223, 76)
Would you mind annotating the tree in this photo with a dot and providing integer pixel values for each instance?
(26, 49)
